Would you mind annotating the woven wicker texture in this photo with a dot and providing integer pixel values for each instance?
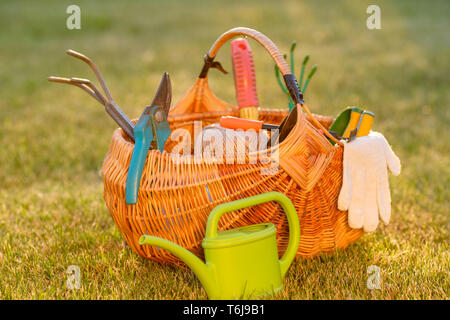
(177, 194)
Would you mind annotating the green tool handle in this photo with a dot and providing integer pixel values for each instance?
(286, 204)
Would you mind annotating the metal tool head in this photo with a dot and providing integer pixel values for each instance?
(162, 99)
(155, 116)
(163, 96)
(110, 106)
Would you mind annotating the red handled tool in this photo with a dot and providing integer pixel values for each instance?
(244, 79)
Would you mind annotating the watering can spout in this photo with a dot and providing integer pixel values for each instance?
(204, 272)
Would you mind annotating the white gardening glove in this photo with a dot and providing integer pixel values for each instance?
(365, 186)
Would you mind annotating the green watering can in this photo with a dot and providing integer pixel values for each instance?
(240, 263)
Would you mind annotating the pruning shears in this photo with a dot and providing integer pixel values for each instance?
(150, 132)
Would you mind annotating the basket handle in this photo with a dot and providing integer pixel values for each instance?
(262, 39)
(272, 49)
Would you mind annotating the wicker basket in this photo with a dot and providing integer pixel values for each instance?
(176, 197)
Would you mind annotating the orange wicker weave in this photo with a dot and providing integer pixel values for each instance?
(176, 196)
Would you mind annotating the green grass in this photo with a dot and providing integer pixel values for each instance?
(53, 138)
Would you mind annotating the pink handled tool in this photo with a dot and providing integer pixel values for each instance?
(244, 79)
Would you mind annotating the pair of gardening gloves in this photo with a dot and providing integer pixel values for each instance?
(365, 186)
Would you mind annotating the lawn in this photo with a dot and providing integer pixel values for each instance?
(53, 138)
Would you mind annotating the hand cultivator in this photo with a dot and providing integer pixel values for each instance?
(110, 106)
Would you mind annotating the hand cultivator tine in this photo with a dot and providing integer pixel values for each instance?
(89, 84)
(79, 85)
(110, 106)
(94, 68)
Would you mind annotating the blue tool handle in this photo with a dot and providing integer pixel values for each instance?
(143, 138)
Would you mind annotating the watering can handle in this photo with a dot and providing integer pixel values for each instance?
(286, 204)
